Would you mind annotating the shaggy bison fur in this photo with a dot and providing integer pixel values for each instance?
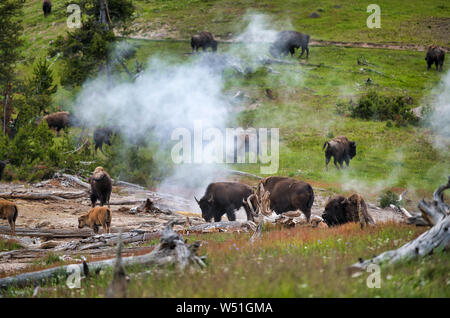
(287, 41)
(203, 40)
(101, 186)
(102, 136)
(46, 7)
(224, 198)
(341, 149)
(287, 194)
(436, 55)
(9, 211)
(340, 210)
(58, 121)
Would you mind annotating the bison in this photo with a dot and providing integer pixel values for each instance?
(58, 121)
(436, 55)
(102, 136)
(287, 194)
(341, 149)
(340, 210)
(287, 41)
(101, 186)
(203, 40)
(96, 216)
(2, 167)
(46, 7)
(9, 211)
(224, 198)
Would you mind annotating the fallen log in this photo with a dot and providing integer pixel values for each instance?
(437, 214)
(171, 250)
(56, 233)
(53, 195)
(225, 226)
(73, 179)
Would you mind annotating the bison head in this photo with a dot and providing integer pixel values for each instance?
(335, 211)
(206, 205)
(352, 150)
(82, 221)
(274, 51)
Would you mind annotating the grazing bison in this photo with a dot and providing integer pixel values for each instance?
(436, 55)
(96, 216)
(341, 149)
(58, 121)
(203, 40)
(224, 198)
(287, 41)
(101, 186)
(103, 136)
(9, 211)
(287, 194)
(46, 7)
(2, 167)
(340, 210)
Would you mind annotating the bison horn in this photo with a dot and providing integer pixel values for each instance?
(196, 200)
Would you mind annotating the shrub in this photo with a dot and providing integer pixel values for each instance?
(373, 106)
(388, 198)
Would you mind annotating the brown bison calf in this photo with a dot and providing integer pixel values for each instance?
(9, 211)
(341, 149)
(101, 186)
(436, 55)
(96, 217)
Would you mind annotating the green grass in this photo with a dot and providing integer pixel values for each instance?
(9, 245)
(299, 262)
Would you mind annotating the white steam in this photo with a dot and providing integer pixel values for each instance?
(440, 118)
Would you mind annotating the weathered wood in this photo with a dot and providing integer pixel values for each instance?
(73, 179)
(52, 195)
(171, 250)
(437, 214)
(224, 226)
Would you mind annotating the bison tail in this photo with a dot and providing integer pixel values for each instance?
(324, 145)
(311, 198)
(108, 216)
(16, 213)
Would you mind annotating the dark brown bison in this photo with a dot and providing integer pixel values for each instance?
(58, 121)
(203, 40)
(46, 7)
(224, 198)
(340, 210)
(2, 167)
(341, 149)
(287, 41)
(101, 186)
(287, 194)
(436, 55)
(102, 136)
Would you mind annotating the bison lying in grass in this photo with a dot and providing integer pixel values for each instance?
(96, 217)
(340, 210)
(9, 211)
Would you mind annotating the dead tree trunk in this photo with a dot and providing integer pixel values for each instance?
(437, 215)
(171, 250)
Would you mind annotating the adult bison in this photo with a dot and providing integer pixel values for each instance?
(224, 198)
(340, 210)
(287, 41)
(436, 55)
(103, 135)
(341, 149)
(203, 40)
(2, 167)
(287, 194)
(101, 186)
(46, 7)
(58, 121)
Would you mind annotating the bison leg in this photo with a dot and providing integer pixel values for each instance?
(12, 224)
(231, 215)
(303, 51)
(335, 163)
(307, 52)
(93, 199)
(347, 160)
(327, 161)
(249, 213)
(217, 218)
